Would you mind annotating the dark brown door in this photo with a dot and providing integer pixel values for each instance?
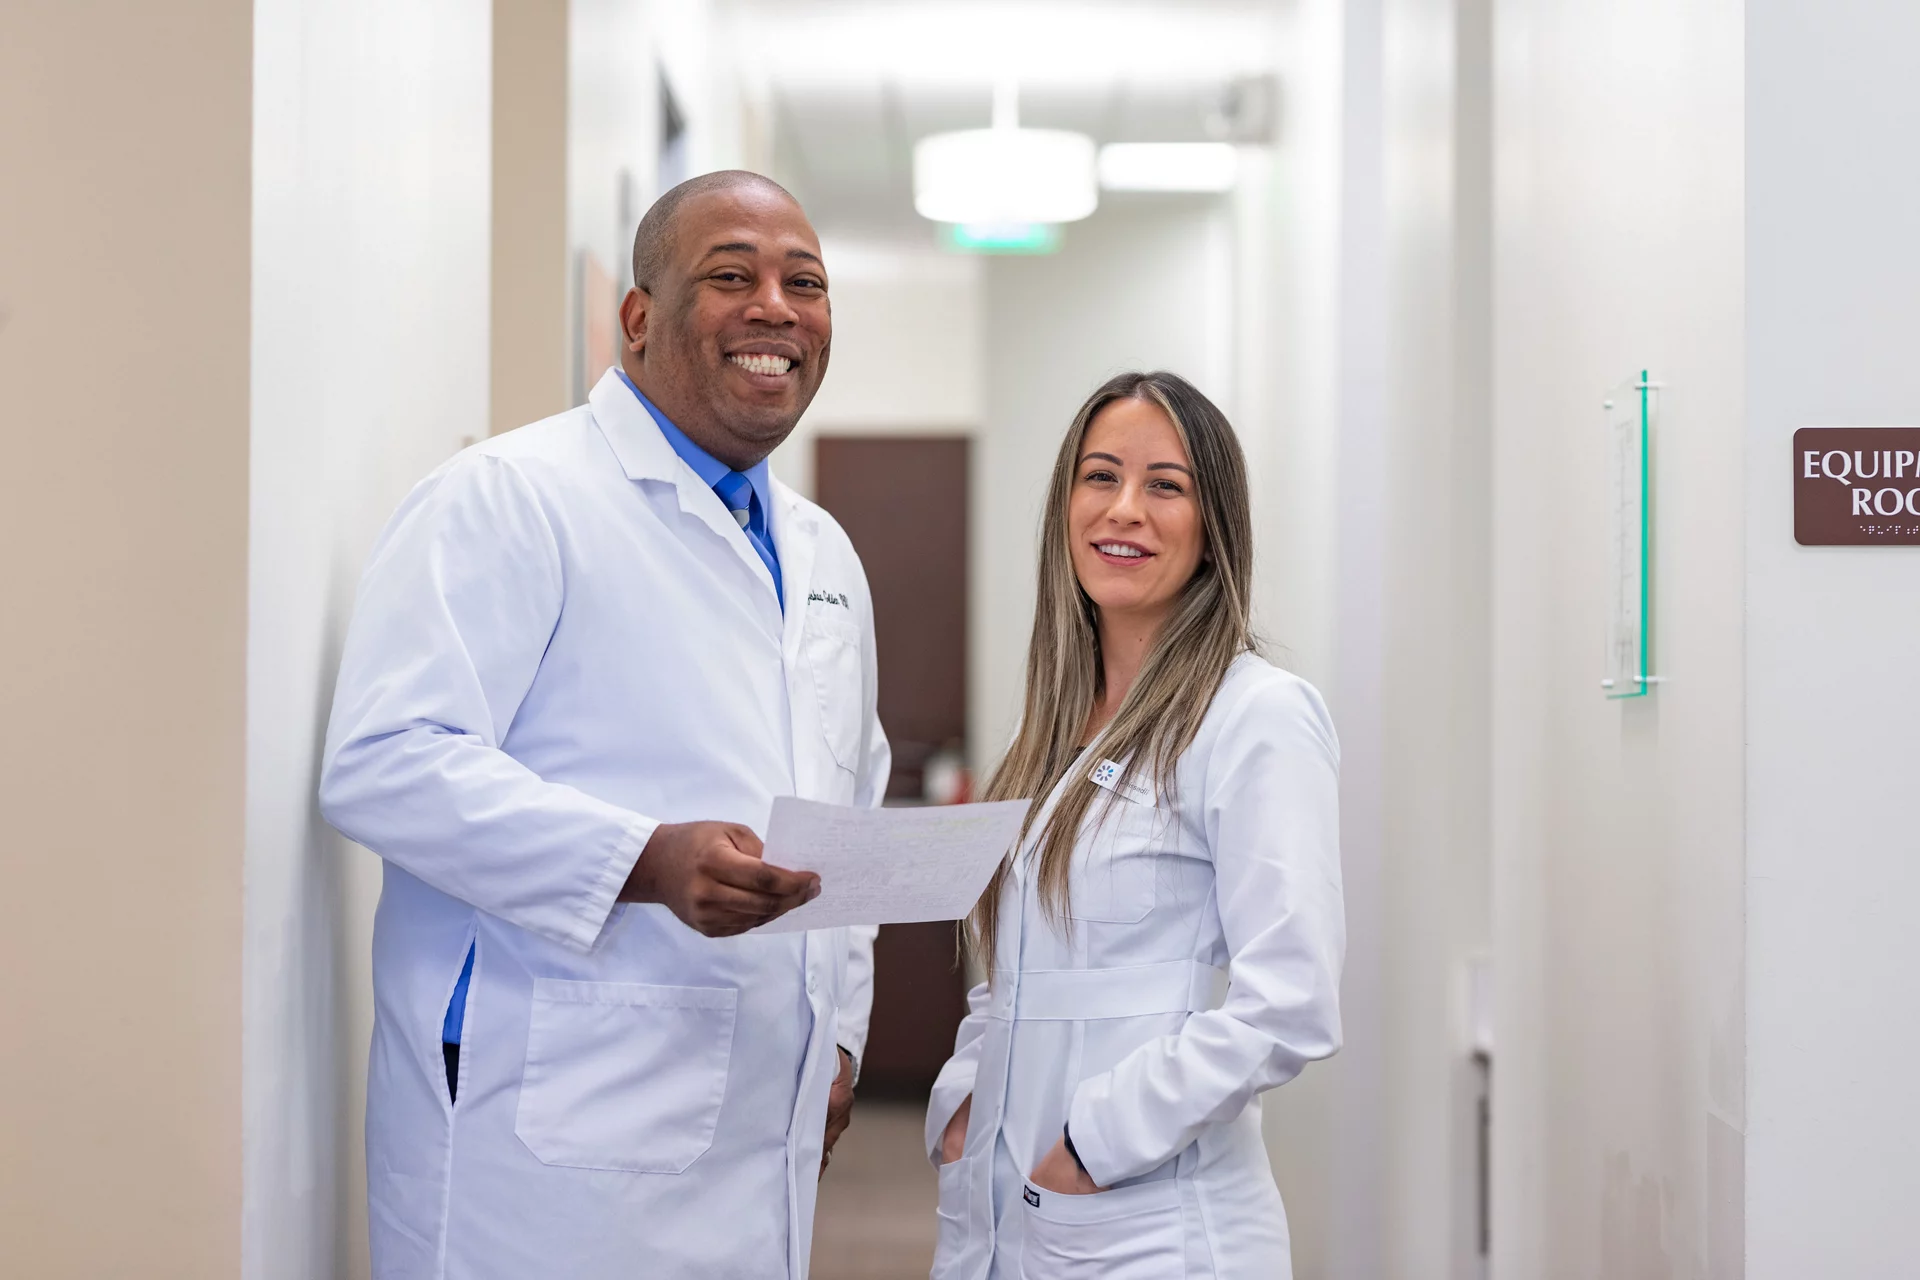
(903, 502)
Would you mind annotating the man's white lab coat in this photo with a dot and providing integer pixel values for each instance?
(562, 640)
(1200, 967)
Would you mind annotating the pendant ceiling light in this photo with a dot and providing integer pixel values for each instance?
(1005, 175)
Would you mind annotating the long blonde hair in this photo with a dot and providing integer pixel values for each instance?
(1210, 626)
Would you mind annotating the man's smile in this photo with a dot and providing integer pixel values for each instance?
(767, 365)
(766, 361)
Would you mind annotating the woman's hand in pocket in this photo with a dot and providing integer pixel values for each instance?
(953, 1139)
(1061, 1174)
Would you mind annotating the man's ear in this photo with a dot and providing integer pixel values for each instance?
(635, 310)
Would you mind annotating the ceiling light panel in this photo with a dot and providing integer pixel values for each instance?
(1168, 166)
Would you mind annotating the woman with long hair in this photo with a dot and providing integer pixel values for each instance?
(1165, 942)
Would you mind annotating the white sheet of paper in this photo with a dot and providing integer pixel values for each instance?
(888, 866)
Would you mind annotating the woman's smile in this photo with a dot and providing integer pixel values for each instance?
(1124, 555)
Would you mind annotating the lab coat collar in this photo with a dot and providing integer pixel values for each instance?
(709, 468)
(632, 433)
(644, 454)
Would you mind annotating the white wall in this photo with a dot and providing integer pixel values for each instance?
(1618, 828)
(1290, 227)
(1434, 894)
(1832, 685)
(1700, 901)
(1357, 1159)
(1365, 337)
(370, 286)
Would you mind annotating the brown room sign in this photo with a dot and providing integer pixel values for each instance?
(1856, 486)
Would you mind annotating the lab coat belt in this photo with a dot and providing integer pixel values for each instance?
(1130, 991)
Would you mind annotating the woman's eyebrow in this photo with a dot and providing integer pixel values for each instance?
(1169, 466)
(1104, 457)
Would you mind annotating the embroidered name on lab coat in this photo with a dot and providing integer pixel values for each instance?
(829, 597)
(1107, 773)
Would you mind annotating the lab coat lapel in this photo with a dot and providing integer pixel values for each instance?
(645, 455)
(701, 502)
(796, 536)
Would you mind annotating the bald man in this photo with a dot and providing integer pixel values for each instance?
(585, 657)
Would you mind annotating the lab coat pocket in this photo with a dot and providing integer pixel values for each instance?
(956, 1204)
(1113, 880)
(832, 650)
(1128, 1233)
(622, 1076)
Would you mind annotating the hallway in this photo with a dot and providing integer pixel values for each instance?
(876, 1217)
(1517, 307)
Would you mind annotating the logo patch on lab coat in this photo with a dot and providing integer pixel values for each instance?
(1106, 775)
(1032, 1196)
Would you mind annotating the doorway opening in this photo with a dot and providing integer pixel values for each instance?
(903, 500)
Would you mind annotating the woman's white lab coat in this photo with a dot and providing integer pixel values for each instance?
(1117, 1027)
(562, 640)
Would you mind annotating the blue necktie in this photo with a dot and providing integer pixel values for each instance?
(737, 492)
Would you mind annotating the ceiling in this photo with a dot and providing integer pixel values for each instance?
(851, 86)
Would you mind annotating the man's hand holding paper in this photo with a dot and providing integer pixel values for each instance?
(888, 866)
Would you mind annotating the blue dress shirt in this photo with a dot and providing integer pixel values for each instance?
(713, 473)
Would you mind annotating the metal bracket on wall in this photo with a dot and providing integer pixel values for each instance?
(1629, 441)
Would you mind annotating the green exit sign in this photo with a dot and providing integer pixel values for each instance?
(1018, 237)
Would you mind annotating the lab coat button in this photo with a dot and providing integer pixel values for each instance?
(813, 985)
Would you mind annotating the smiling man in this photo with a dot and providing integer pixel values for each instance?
(585, 658)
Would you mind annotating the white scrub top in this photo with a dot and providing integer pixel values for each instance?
(1201, 968)
(563, 639)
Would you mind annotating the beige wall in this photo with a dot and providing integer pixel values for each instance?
(123, 518)
(530, 377)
